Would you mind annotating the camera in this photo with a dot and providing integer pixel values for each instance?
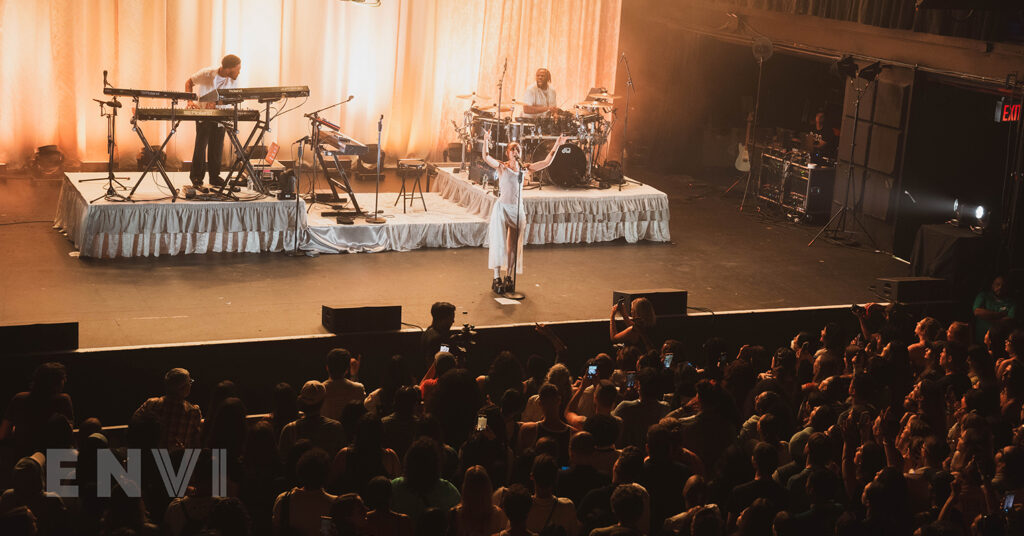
(591, 371)
(858, 310)
(462, 341)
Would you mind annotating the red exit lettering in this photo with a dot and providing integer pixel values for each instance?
(1011, 112)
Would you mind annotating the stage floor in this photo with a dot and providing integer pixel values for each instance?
(726, 259)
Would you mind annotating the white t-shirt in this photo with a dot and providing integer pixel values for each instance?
(207, 80)
(536, 96)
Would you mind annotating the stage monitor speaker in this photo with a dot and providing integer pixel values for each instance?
(666, 301)
(362, 319)
(914, 289)
(38, 338)
(480, 172)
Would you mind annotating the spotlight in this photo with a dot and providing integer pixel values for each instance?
(48, 162)
(981, 217)
(957, 220)
(871, 72)
(847, 67)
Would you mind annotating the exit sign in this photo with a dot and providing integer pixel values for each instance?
(1006, 113)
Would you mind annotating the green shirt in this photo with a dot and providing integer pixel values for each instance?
(990, 302)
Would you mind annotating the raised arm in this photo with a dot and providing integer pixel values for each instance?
(537, 166)
(488, 159)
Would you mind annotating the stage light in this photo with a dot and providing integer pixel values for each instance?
(871, 72)
(847, 67)
(957, 220)
(981, 217)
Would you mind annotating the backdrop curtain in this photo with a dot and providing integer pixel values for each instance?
(405, 60)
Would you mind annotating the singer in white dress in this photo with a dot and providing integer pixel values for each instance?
(508, 216)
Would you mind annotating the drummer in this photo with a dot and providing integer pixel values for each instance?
(540, 98)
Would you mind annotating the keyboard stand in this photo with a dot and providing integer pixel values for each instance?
(154, 158)
(319, 154)
(242, 153)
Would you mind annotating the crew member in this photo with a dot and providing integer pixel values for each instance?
(823, 139)
(210, 134)
(507, 216)
(540, 98)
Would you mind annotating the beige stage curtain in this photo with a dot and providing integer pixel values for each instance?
(405, 60)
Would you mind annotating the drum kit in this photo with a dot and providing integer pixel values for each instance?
(586, 126)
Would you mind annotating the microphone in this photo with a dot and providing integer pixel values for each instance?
(380, 123)
(350, 97)
(111, 103)
(105, 84)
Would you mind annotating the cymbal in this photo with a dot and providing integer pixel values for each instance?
(494, 107)
(593, 104)
(473, 96)
(603, 95)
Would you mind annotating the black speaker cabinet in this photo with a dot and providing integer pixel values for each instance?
(362, 319)
(38, 338)
(914, 289)
(666, 301)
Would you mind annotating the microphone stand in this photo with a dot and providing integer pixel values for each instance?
(295, 252)
(501, 84)
(625, 124)
(512, 294)
(111, 125)
(377, 218)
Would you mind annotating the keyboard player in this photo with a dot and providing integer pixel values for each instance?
(210, 134)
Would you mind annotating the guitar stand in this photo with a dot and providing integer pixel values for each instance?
(154, 158)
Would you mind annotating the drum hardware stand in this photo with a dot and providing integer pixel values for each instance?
(513, 294)
(110, 193)
(839, 218)
(376, 217)
(154, 158)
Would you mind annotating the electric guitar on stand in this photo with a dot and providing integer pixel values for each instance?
(742, 153)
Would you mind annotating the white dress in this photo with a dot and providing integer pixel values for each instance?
(503, 217)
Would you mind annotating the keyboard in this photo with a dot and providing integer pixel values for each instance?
(194, 114)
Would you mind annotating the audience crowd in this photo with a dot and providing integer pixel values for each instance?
(901, 428)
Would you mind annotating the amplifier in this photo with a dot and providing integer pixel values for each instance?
(805, 189)
(480, 172)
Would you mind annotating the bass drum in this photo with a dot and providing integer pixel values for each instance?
(568, 169)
